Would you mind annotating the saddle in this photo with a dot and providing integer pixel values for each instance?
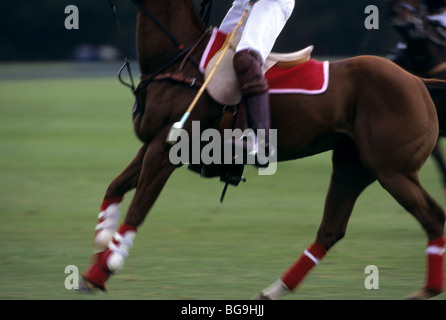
(223, 87)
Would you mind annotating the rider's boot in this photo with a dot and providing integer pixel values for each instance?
(254, 87)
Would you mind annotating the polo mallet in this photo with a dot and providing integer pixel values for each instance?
(175, 130)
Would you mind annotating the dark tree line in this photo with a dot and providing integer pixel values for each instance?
(34, 29)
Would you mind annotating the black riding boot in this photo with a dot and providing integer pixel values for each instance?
(254, 87)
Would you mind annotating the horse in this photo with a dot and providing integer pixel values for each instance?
(378, 119)
(423, 54)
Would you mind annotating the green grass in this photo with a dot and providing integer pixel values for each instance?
(62, 140)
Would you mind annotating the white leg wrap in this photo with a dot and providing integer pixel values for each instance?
(275, 290)
(106, 227)
(119, 247)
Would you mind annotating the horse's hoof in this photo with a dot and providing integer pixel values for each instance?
(262, 296)
(423, 294)
(86, 286)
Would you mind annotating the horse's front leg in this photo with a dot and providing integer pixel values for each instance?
(109, 210)
(155, 170)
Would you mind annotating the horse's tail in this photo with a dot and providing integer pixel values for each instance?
(434, 85)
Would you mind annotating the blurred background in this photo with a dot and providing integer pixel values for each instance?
(66, 131)
(34, 30)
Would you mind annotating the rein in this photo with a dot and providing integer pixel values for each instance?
(126, 59)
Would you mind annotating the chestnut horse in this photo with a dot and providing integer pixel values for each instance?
(378, 119)
(423, 54)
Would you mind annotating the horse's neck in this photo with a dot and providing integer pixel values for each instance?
(154, 47)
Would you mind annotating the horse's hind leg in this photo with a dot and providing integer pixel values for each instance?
(407, 190)
(349, 179)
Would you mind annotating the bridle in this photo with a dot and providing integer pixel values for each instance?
(183, 52)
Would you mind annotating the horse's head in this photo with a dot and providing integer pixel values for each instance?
(409, 17)
(405, 13)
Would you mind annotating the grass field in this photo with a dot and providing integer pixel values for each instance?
(64, 137)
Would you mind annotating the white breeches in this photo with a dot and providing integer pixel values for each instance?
(264, 24)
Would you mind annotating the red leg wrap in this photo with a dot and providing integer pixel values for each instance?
(106, 202)
(98, 273)
(295, 274)
(123, 228)
(435, 257)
